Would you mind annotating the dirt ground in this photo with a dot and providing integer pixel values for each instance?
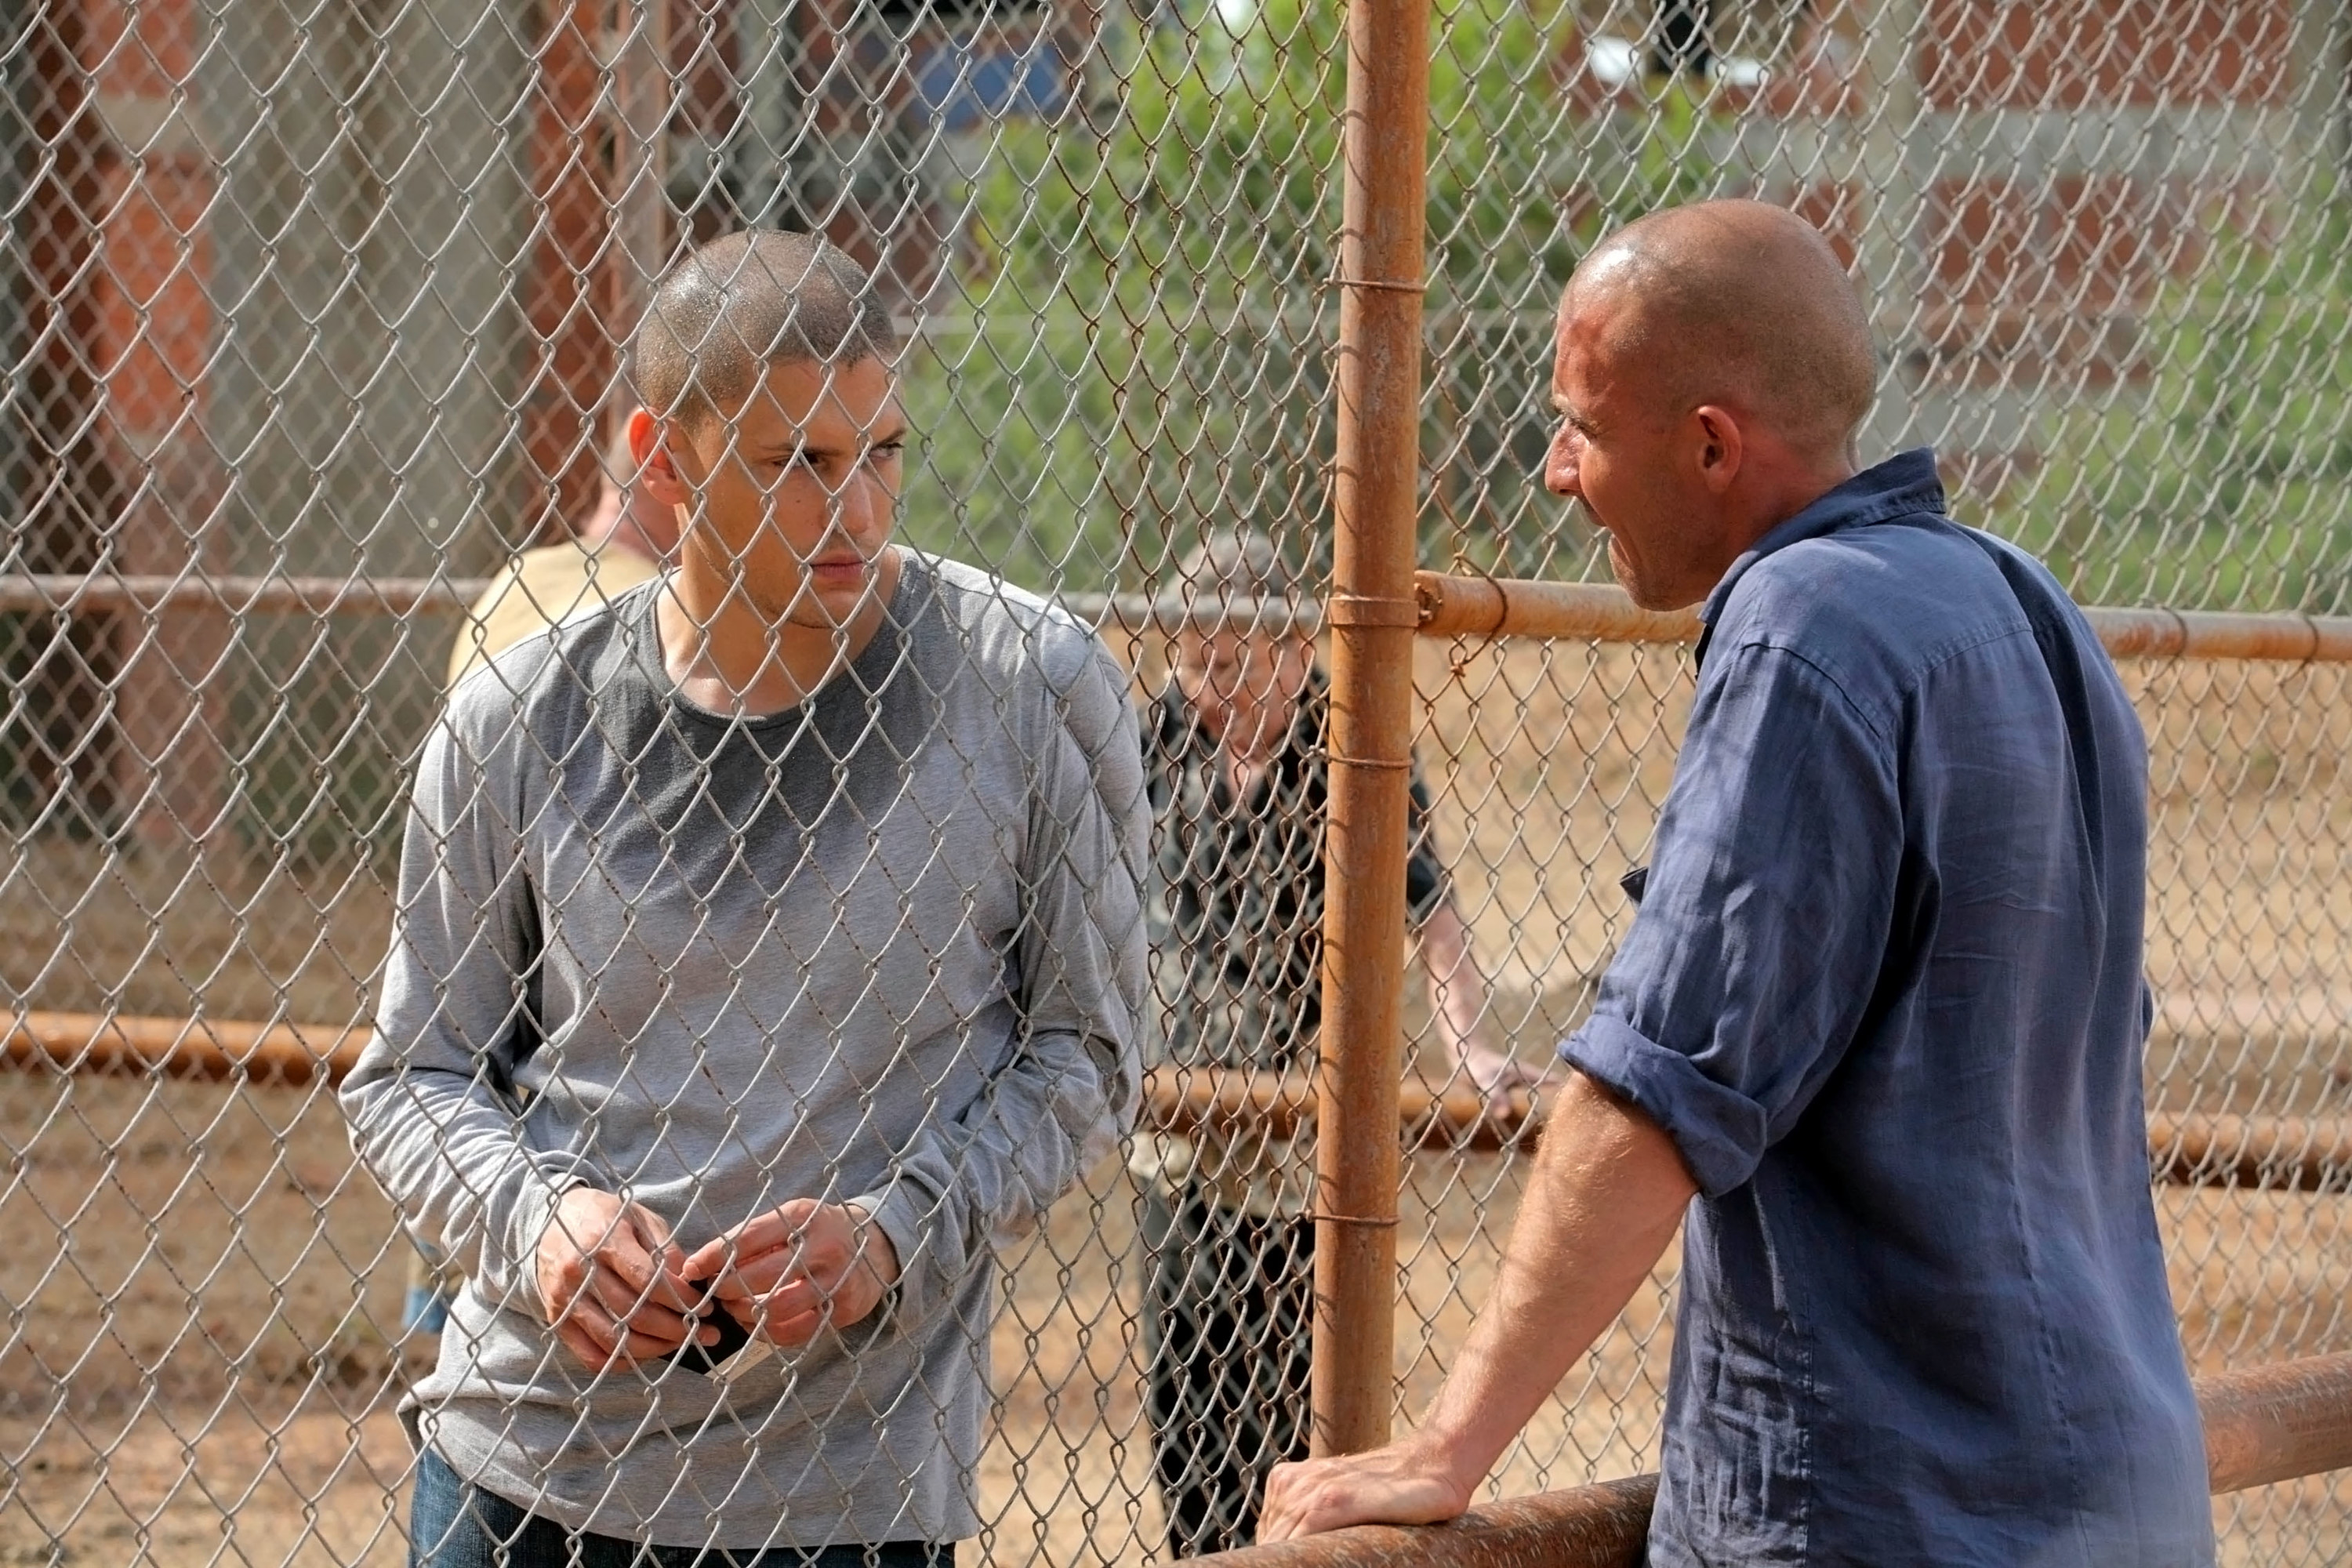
(202, 1296)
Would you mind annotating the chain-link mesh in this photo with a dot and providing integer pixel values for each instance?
(313, 331)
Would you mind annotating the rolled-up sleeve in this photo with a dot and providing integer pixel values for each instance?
(1757, 949)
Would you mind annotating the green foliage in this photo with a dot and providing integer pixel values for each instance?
(1144, 352)
(1152, 334)
(1012, 412)
(1517, 194)
(2221, 482)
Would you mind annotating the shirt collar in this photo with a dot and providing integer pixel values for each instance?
(1904, 484)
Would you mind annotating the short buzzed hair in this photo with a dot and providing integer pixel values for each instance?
(1742, 298)
(1234, 567)
(730, 309)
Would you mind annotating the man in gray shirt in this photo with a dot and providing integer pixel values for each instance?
(769, 951)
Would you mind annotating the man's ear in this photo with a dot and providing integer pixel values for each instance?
(650, 444)
(1721, 448)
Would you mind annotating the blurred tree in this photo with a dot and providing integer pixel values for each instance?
(2217, 478)
(1151, 331)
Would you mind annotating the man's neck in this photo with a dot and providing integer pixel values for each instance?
(621, 531)
(728, 658)
(1801, 490)
(1782, 497)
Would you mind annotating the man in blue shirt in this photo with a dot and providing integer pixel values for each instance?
(1881, 1011)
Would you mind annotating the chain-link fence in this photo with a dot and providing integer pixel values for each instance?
(312, 331)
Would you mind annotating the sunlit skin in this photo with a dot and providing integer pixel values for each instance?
(1681, 490)
(785, 562)
(785, 570)
(617, 1287)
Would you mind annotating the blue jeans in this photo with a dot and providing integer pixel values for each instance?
(452, 1523)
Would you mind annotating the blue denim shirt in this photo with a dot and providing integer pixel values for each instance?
(1885, 992)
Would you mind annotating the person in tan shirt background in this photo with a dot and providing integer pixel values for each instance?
(623, 543)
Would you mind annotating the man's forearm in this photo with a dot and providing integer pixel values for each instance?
(1607, 1191)
(1457, 991)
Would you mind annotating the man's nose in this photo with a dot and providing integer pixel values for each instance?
(856, 509)
(1560, 475)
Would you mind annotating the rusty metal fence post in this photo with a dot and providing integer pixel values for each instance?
(1373, 619)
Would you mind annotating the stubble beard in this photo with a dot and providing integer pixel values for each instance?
(1622, 567)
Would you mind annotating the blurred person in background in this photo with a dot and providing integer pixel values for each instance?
(624, 542)
(1235, 749)
(770, 955)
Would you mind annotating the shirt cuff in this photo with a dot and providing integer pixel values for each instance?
(533, 1212)
(1719, 1131)
(898, 1214)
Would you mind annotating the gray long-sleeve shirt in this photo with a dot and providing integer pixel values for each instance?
(886, 947)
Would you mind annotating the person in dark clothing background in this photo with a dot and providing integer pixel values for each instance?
(1234, 753)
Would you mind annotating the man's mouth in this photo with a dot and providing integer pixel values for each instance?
(845, 572)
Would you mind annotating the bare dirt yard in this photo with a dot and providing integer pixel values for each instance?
(202, 1335)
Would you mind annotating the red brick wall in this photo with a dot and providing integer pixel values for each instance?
(154, 316)
(569, 292)
(72, 477)
(2066, 54)
(583, 289)
(2043, 284)
(153, 313)
(2034, 282)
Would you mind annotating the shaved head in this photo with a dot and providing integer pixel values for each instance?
(1740, 304)
(743, 302)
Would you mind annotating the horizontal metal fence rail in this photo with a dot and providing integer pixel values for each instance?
(2264, 1425)
(1513, 608)
(47, 594)
(1449, 607)
(43, 594)
(2267, 1153)
(214, 1050)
